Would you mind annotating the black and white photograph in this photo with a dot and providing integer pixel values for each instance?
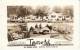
(40, 22)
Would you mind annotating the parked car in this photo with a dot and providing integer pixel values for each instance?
(44, 31)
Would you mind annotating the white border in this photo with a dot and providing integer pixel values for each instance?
(3, 17)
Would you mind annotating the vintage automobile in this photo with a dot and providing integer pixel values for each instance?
(44, 31)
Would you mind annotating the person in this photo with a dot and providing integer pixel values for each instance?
(40, 26)
(31, 29)
(36, 26)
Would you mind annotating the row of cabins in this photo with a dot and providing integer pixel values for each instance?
(51, 17)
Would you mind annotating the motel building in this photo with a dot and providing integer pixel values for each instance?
(59, 17)
(51, 17)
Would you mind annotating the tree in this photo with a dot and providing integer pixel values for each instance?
(57, 9)
(11, 10)
(21, 11)
(41, 11)
(68, 10)
(29, 10)
(24, 11)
